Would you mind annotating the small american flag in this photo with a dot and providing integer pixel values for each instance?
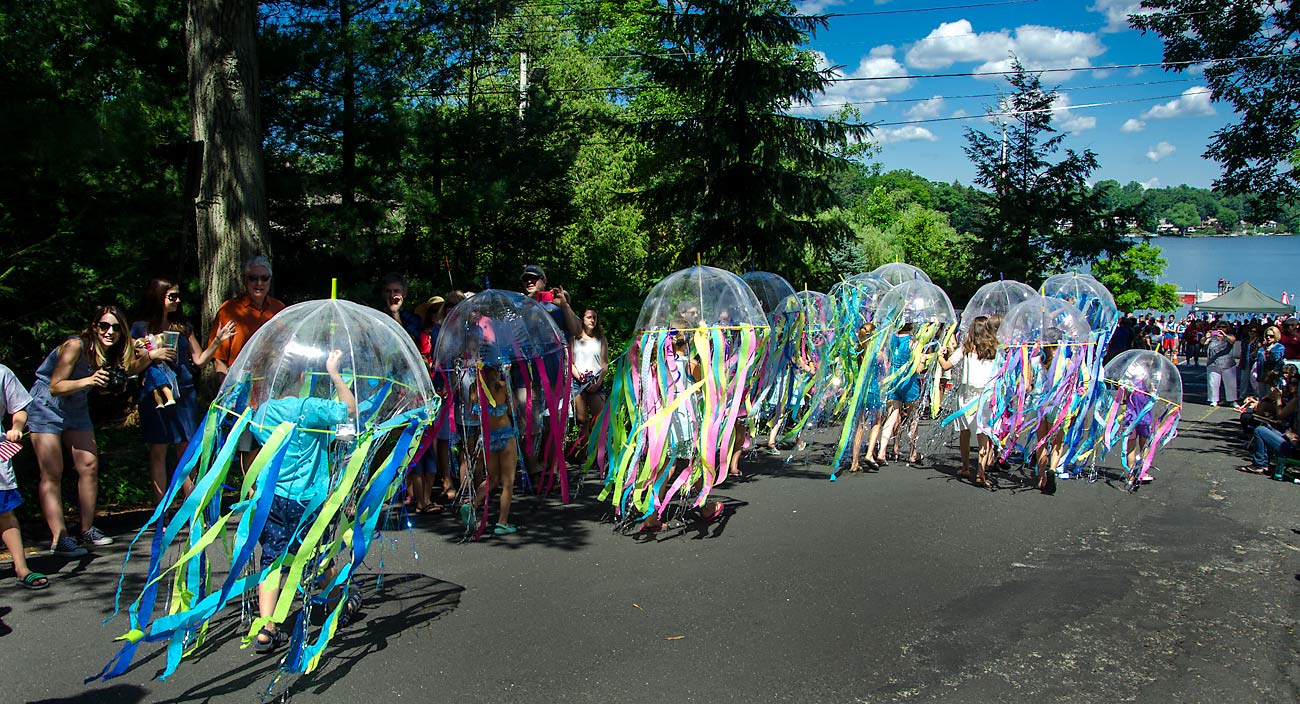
(8, 450)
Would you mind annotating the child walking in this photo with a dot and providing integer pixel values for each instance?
(13, 403)
(978, 359)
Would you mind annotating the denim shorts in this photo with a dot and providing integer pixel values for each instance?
(57, 414)
(284, 527)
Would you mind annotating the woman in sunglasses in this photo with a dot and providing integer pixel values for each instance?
(166, 327)
(59, 418)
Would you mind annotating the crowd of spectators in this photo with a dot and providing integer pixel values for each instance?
(163, 350)
(1252, 364)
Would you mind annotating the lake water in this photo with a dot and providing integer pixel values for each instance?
(1271, 264)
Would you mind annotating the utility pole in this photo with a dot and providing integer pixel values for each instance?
(523, 85)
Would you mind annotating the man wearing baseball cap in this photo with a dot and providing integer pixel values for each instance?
(556, 303)
(554, 300)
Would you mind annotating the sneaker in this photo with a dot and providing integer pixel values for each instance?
(67, 546)
(1214, 404)
(96, 537)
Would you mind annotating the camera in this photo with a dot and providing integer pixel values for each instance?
(117, 378)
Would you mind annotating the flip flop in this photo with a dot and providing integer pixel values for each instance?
(1248, 469)
(34, 581)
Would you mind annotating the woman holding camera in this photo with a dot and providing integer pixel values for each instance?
(98, 359)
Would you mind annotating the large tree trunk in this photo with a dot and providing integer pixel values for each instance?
(230, 210)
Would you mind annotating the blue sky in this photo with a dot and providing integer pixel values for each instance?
(1157, 138)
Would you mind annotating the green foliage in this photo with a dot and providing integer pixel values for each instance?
(1256, 151)
(91, 208)
(1041, 216)
(741, 177)
(1131, 276)
(1183, 216)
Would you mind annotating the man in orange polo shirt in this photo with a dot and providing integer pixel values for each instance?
(248, 312)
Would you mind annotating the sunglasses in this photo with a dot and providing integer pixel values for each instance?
(259, 278)
(531, 279)
(105, 327)
(173, 297)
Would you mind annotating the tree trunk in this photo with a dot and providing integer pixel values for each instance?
(230, 209)
(347, 45)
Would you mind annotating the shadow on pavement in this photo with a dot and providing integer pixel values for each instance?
(116, 694)
(398, 603)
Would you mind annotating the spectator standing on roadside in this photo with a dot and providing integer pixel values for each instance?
(99, 360)
(1290, 339)
(1220, 367)
(393, 288)
(172, 425)
(249, 311)
(555, 301)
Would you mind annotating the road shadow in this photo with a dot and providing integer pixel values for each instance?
(115, 694)
(391, 605)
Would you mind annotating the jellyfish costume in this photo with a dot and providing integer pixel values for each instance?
(995, 298)
(344, 464)
(855, 301)
(1142, 394)
(809, 387)
(896, 273)
(1095, 301)
(1026, 391)
(659, 416)
(884, 365)
(515, 335)
(772, 373)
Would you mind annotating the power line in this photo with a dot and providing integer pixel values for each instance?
(927, 9)
(882, 101)
(970, 74)
(1054, 108)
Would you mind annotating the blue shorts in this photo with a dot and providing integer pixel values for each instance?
(907, 391)
(284, 527)
(500, 437)
(10, 499)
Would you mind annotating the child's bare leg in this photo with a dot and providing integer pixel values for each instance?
(506, 461)
(963, 439)
(13, 540)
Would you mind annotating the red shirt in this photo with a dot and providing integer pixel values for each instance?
(247, 320)
(1291, 344)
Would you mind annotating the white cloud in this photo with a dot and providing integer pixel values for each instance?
(1068, 121)
(1161, 151)
(817, 7)
(1037, 47)
(1151, 183)
(1132, 125)
(879, 62)
(1193, 102)
(959, 113)
(927, 109)
(1117, 12)
(906, 133)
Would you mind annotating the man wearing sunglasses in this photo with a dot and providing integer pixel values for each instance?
(248, 311)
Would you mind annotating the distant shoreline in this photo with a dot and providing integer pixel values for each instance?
(1147, 236)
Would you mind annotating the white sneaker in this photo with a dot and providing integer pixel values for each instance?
(96, 537)
(1214, 405)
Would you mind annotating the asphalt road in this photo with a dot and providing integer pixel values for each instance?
(901, 586)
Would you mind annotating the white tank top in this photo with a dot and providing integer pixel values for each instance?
(586, 355)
